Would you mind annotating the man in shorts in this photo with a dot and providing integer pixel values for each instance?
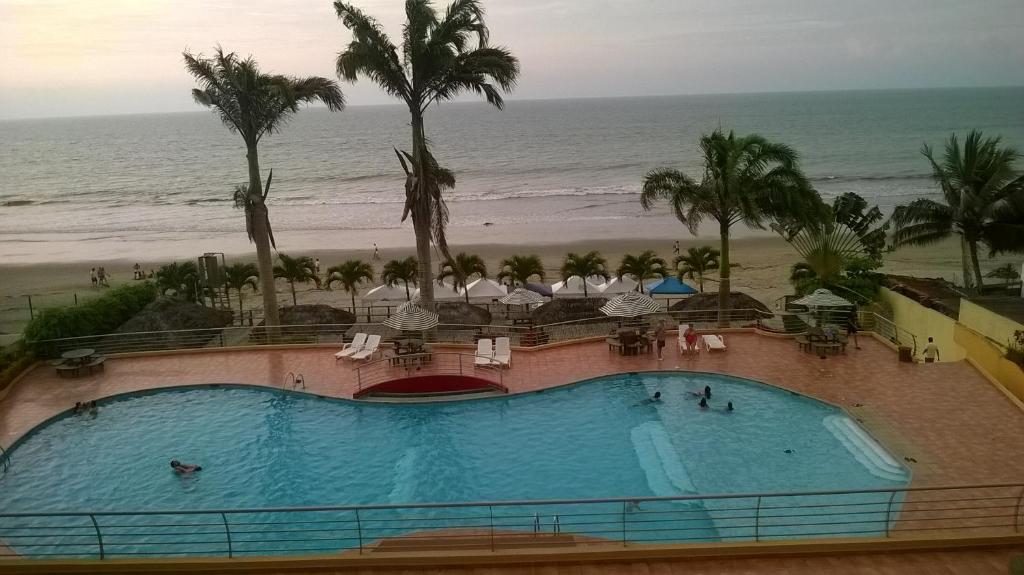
(931, 352)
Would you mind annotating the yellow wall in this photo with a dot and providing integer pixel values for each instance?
(924, 323)
(991, 325)
(987, 355)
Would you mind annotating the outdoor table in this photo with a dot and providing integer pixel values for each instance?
(614, 343)
(78, 356)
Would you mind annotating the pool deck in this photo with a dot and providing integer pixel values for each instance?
(955, 425)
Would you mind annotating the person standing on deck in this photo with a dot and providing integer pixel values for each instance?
(659, 335)
(931, 352)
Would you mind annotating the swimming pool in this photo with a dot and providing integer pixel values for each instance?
(598, 439)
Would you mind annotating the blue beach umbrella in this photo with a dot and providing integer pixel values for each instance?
(669, 286)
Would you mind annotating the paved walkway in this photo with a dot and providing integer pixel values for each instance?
(956, 426)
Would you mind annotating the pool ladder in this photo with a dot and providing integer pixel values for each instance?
(294, 380)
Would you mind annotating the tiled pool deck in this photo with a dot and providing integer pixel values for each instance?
(947, 417)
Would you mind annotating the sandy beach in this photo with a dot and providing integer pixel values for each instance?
(762, 271)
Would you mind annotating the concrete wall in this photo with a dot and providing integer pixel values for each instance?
(991, 325)
(925, 322)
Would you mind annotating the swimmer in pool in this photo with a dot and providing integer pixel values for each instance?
(728, 406)
(703, 403)
(656, 398)
(184, 468)
(706, 394)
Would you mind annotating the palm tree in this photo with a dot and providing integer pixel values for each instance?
(746, 179)
(695, 263)
(1006, 272)
(437, 62)
(585, 266)
(644, 266)
(253, 104)
(239, 275)
(519, 269)
(461, 268)
(179, 278)
(983, 202)
(405, 271)
(298, 269)
(350, 274)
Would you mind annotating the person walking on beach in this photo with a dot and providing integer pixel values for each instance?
(101, 276)
(137, 271)
(93, 278)
(931, 352)
(316, 267)
(376, 253)
(675, 248)
(659, 335)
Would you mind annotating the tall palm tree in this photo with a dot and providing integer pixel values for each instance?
(982, 202)
(253, 104)
(460, 268)
(239, 275)
(438, 60)
(179, 278)
(642, 267)
(519, 269)
(405, 271)
(1006, 272)
(296, 269)
(350, 274)
(746, 179)
(585, 266)
(695, 263)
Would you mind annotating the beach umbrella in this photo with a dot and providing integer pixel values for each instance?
(485, 288)
(616, 286)
(521, 296)
(386, 293)
(574, 286)
(822, 298)
(669, 286)
(630, 304)
(411, 317)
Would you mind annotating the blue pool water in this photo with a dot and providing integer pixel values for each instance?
(265, 448)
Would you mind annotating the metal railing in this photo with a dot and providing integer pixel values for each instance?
(889, 330)
(978, 510)
(426, 364)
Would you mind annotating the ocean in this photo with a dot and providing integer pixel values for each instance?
(143, 186)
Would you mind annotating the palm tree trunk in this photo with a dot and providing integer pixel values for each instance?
(261, 237)
(294, 301)
(421, 220)
(408, 296)
(723, 277)
(976, 265)
(965, 261)
(241, 312)
(353, 302)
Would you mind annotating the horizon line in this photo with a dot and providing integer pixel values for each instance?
(557, 99)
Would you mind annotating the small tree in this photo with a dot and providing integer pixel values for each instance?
(296, 270)
(350, 274)
(644, 266)
(462, 267)
(696, 263)
(585, 266)
(179, 278)
(404, 271)
(236, 277)
(519, 269)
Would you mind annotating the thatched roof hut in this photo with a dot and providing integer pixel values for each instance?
(315, 314)
(708, 302)
(568, 309)
(462, 313)
(170, 315)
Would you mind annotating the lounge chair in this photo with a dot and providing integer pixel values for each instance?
(371, 347)
(714, 342)
(503, 351)
(484, 353)
(352, 347)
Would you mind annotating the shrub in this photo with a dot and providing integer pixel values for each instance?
(13, 360)
(1015, 351)
(101, 315)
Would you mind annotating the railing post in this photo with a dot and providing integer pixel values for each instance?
(99, 536)
(490, 511)
(624, 505)
(227, 533)
(359, 532)
(888, 513)
(757, 520)
(222, 338)
(1019, 511)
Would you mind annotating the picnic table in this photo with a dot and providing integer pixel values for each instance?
(74, 360)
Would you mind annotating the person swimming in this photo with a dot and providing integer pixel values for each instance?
(656, 398)
(183, 467)
(703, 403)
(706, 394)
(728, 406)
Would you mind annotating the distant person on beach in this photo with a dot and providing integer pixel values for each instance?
(316, 267)
(101, 276)
(376, 253)
(152, 274)
(93, 278)
(659, 335)
(675, 248)
(931, 352)
(137, 271)
(184, 468)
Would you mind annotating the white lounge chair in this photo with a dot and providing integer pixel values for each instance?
(372, 346)
(352, 347)
(484, 353)
(503, 351)
(714, 342)
(684, 348)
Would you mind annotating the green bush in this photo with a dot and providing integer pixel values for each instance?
(13, 360)
(98, 316)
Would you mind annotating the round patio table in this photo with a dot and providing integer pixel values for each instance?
(78, 354)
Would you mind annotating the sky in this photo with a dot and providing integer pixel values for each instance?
(92, 57)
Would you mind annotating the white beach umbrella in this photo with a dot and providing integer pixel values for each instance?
(574, 286)
(630, 304)
(522, 296)
(386, 293)
(411, 317)
(442, 292)
(616, 286)
(823, 298)
(485, 288)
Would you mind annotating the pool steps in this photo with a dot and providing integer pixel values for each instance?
(665, 472)
(864, 448)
